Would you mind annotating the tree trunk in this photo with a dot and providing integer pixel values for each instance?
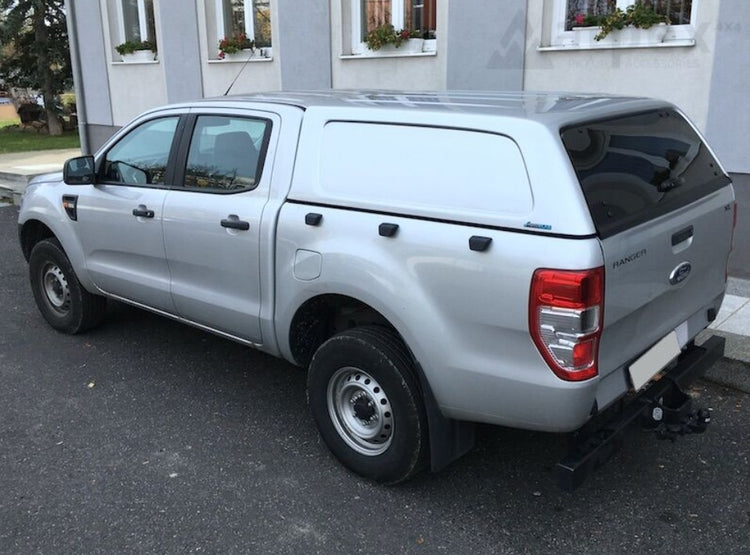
(54, 125)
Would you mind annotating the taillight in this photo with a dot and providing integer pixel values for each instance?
(566, 310)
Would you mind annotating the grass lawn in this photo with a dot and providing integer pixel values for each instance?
(12, 139)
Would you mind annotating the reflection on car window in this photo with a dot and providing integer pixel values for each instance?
(225, 153)
(637, 167)
(140, 158)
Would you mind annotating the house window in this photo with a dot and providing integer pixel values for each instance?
(414, 15)
(137, 20)
(681, 14)
(251, 18)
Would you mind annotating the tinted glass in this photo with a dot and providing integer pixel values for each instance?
(141, 156)
(638, 167)
(225, 153)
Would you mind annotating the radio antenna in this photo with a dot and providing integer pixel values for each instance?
(229, 88)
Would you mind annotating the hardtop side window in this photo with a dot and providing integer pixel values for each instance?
(226, 153)
(141, 157)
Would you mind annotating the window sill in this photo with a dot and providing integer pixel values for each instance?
(678, 43)
(135, 63)
(370, 56)
(251, 60)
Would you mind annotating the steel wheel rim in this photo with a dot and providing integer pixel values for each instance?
(55, 287)
(360, 411)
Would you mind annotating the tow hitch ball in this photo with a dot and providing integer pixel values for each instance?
(673, 415)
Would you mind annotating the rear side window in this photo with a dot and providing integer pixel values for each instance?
(226, 153)
(635, 168)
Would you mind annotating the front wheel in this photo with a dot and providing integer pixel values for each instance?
(367, 405)
(61, 298)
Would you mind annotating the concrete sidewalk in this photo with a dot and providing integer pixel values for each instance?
(732, 322)
(17, 168)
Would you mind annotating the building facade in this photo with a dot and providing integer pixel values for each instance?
(700, 61)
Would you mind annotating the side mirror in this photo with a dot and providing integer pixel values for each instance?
(79, 171)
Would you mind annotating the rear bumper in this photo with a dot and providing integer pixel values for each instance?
(593, 444)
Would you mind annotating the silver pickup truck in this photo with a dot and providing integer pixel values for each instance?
(540, 261)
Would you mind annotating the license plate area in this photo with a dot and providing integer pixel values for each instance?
(654, 360)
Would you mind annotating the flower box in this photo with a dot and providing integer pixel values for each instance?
(139, 56)
(241, 56)
(410, 46)
(629, 36)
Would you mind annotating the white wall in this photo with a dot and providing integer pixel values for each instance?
(133, 87)
(678, 74)
(129, 93)
(728, 116)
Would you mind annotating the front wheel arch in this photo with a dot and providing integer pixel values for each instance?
(30, 233)
(62, 300)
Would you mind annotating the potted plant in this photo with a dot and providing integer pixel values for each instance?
(430, 42)
(386, 38)
(623, 27)
(265, 50)
(137, 51)
(236, 48)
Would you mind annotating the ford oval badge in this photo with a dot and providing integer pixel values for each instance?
(680, 273)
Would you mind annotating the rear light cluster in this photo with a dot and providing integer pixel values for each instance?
(566, 311)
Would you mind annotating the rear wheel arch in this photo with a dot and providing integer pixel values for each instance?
(321, 317)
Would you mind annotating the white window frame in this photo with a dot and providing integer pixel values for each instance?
(221, 26)
(142, 21)
(677, 35)
(358, 41)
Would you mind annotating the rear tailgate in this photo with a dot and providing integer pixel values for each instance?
(663, 209)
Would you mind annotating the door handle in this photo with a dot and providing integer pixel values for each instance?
(143, 212)
(682, 235)
(233, 222)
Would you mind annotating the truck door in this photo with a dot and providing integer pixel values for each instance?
(120, 218)
(212, 222)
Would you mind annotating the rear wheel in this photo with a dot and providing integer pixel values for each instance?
(367, 404)
(61, 298)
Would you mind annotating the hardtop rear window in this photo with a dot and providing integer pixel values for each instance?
(635, 168)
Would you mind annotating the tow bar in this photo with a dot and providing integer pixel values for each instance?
(674, 416)
(663, 408)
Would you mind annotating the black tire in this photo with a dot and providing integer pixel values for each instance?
(61, 298)
(367, 404)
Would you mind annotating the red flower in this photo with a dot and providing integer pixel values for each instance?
(405, 34)
(580, 18)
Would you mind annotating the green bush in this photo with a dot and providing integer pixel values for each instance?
(130, 46)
